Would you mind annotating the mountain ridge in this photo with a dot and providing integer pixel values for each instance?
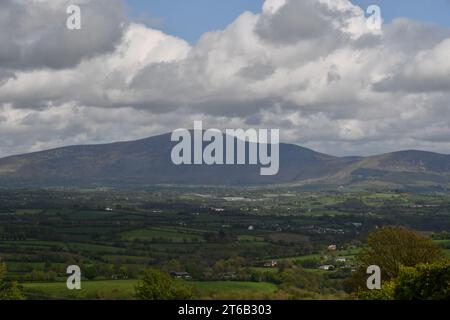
(147, 162)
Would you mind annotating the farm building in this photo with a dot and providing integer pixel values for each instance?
(181, 275)
(327, 267)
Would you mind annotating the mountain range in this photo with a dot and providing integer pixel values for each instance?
(148, 162)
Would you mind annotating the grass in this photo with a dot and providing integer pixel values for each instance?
(302, 258)
(38, 244)
(443, 242)
(158, 233)
(226, 286)
(248, 238)
(124, 289)
(107, 289)
(122, 259)
(447, 253)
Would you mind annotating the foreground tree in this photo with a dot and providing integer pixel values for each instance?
(2, 271)
(8, 290)
(392, 248)
(157, 285)
(424, 282)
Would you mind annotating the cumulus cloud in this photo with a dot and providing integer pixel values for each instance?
(33, 33)
(310, 68)
(427, 71)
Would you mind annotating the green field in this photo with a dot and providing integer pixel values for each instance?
(160, 233)
(231, 286)
(124, 289)
(224, 251)
(108, 289)
(447, 253)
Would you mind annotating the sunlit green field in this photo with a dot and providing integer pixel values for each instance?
(159, 233)
(124, 289)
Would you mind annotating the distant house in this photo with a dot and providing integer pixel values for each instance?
(271, 264)
(327, 267)
(228, 275)
(180, 275)
(349, 266)
(332, 247)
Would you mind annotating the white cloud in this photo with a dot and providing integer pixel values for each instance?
(310, 68)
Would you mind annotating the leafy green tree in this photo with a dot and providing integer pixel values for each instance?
(424, 282)
(2, 271)
(11, 291)
(310, 263)
(157, 285)
(8, 290)
(393, 247)
(90, 271)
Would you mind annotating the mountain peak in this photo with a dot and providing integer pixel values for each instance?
(148, 162)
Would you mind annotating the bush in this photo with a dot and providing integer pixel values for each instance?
(157, 285)
(392, 248)
(310, 263)
(9, 290)
(424, 282)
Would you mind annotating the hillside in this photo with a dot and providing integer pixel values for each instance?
(148, 162)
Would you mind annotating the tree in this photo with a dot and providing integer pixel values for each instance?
(391, 248)
(11, 291)
(424, 282)
(90, 272)
(8, 290)
(157, 285)
(2, 271)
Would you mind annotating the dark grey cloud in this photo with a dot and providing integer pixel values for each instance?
(5, 76)
(411, 84)
(298, 21)
(424, 71)
(407, 36)
(257, 71)
(34, 34)
(311, 69)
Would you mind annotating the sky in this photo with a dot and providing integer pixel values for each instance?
(311, 68)
(190, 19)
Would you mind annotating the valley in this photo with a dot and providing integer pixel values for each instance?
(225, 243)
